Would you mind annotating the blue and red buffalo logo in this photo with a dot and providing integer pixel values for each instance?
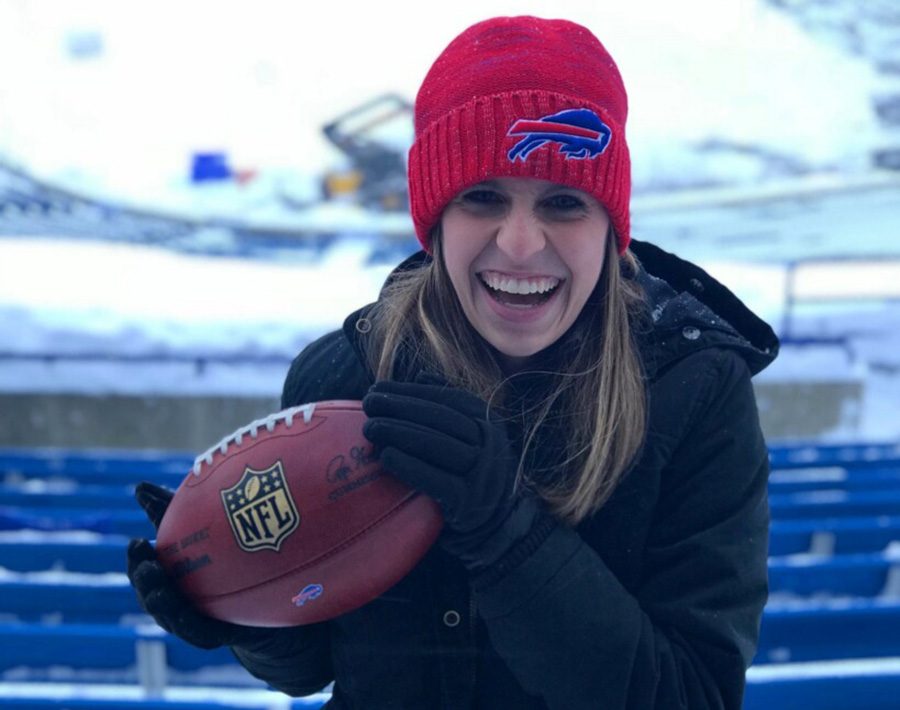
(308, 593)
(580, 133)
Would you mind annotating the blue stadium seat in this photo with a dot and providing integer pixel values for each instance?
(840, 575)
(834, 504)
(67, 495)
(105, 554)
(833, 536)
(834, 478)
(95, 467)
(151, 703)
(854, 455)
(832, 580)
(93, 697)
(869, 685)
(71, 603)
(802, 575)
(130, 523)
(102, 646)
(817, 630)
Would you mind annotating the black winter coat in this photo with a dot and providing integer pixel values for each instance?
(653, 602)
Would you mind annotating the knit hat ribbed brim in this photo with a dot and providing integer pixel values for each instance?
(521, 97)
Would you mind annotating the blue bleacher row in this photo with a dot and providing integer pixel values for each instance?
(66, 517)
(846, 596)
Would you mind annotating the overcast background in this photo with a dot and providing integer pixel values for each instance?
(118, 95)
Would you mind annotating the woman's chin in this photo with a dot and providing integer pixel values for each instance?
(515, 350)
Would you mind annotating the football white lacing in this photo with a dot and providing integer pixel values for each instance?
(252, 429)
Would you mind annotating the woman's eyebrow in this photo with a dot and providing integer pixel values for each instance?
(557, 189)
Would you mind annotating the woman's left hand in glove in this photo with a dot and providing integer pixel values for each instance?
(440, 440)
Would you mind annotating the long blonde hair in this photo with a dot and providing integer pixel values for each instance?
(599, 391)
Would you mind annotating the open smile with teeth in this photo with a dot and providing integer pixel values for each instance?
(513, 291)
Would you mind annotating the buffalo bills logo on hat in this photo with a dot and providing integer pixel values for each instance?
(580, 133)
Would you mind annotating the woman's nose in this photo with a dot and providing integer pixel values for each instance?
(521, 235)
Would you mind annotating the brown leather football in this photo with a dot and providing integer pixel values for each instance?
(291, 520)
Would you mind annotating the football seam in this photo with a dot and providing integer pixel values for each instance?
(229, 443)
(412, 495)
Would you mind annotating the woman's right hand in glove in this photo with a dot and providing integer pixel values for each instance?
(161, 598)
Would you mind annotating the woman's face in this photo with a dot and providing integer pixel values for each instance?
(523, 255)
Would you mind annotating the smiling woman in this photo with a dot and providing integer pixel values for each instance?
(523, 256)
(578, 404)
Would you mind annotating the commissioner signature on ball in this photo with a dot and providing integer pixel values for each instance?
(341, 467)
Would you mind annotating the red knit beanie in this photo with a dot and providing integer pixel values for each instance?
(521, 97)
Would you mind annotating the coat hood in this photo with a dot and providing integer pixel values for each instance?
(689, 310)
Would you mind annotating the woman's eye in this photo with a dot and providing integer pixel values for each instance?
(564, 203)
(482, 198)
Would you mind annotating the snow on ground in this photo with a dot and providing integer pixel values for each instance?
(110, 318)
(159, 312)
(100, 317)
(195, 301)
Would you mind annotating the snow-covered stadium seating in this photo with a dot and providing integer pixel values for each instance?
(70, 626)
(33, 207)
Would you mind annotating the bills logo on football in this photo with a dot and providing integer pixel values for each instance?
(309, 592)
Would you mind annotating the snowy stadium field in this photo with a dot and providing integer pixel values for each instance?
(116, 317)
(132, 304)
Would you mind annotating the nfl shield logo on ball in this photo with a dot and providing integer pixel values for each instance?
(261, 509)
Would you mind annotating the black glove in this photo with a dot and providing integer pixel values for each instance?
(439, 440)
(160, 598)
